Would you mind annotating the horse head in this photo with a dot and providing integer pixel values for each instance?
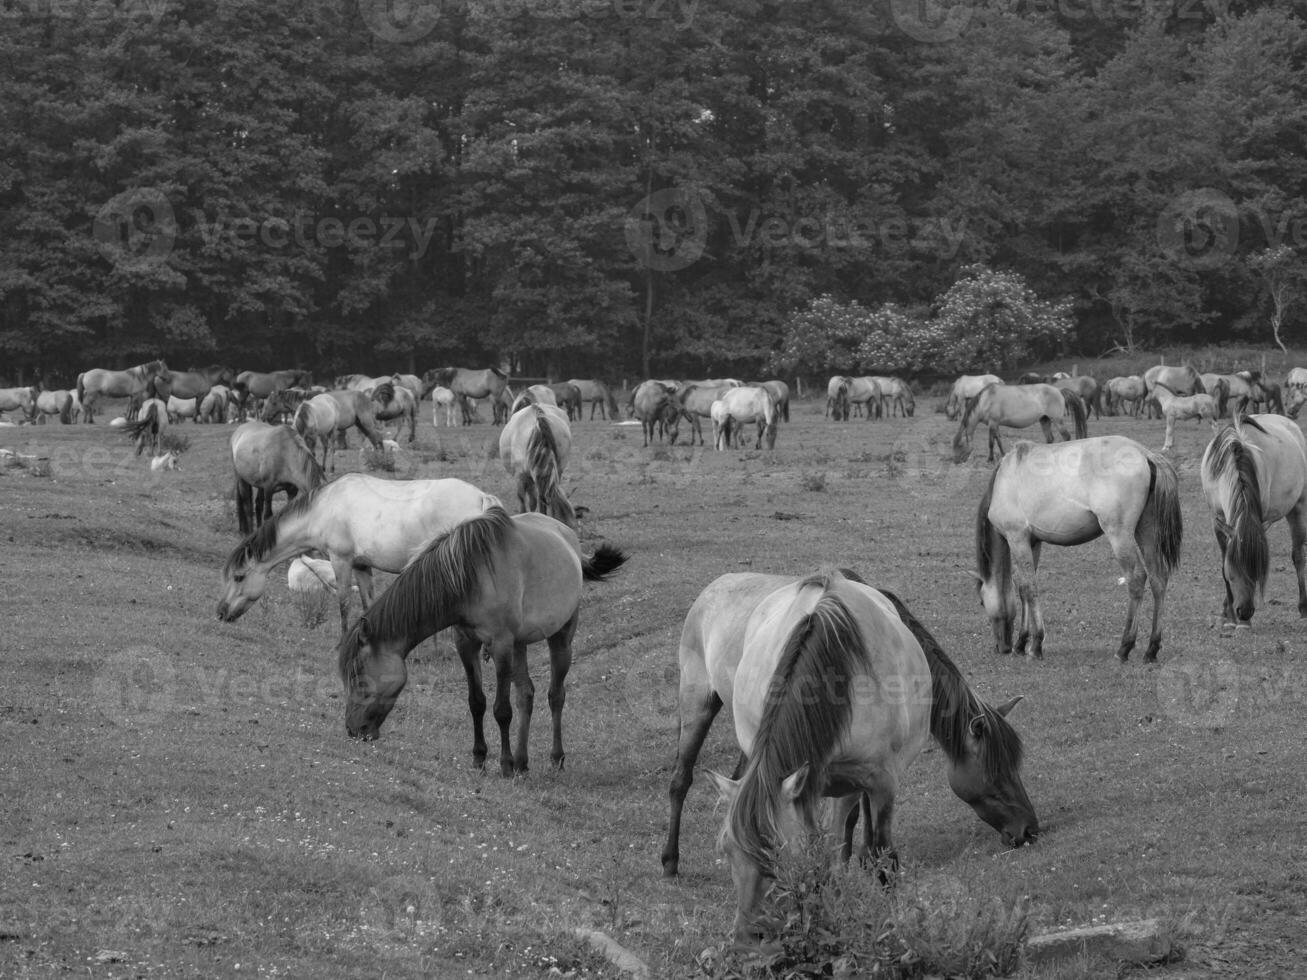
(986, 774)
(374, 674)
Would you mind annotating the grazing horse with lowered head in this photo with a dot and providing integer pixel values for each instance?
(98, 382)
(655, 405)
(150, 424)
(391, 401)
(360, 522)
(780, 395)
(534, 446)
(744, 405)
(1068, 494)
(1018, 406)
(466, 383)
(503, 582)
(695, 400)
(1201, 406)
(866, 396)
(965, 388)
(789, 655)
(567, 396)
(60, 402)
(251, 387)
(1254, 473)
(267, 458)
(597, 394)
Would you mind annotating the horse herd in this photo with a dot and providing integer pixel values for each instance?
(834, 685)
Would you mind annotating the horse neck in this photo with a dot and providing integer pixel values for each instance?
(298, 531)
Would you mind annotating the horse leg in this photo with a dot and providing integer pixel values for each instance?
(560, 662)
(344, 570)
(844, 820)
(698, 706)
(1170, 433)
(994, 440)
(1297, 518)
(363, 577)
(880, 802)
(469, 653)
(1030, 627)
(1227, 611)
(1132, 562)
(526, 692)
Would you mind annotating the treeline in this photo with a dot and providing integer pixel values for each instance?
(631, 186)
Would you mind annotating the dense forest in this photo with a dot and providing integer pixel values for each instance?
(615, 187)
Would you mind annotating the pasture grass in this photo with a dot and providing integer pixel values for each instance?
(178, 795)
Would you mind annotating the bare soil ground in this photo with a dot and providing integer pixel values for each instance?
(178, 797)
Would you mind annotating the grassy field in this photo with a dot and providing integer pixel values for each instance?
(179, 797)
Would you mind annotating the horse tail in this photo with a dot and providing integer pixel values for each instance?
(303, 421)
(611, 401)
(542, 475)
(1199, 387)
(1076, 405)
(1222, 397)
(605, 560)
(1164, 501)
(66, 410)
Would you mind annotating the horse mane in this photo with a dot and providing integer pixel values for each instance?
(1229, 462)
(991, 547)
(441, 578)
(954, 705)
(261, 541)
(816, 665)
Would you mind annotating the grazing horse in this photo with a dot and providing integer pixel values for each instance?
(331, 414)
(1179, 380)
(1087, 388)
(93, 384)
(360, 522)
(534, 446)
(150, 424)
(597, 394)
(60, 402)
(1017, 406)
(837, 398)
(466, 383)
(654, 404)
(965, 388)
(567, 396)
(503, 583)
(695, 402)
(899, 395)
(1125, 394)
(182, 408)
(20, 400)
(780, 394)
(251, 387)
(213, 406)
(865, 395)
(392, 401)
(533, 395)
(743, 405)
(834, 687)
(1254, 473)
(1068, 494)
(442, 399)
(1245, 388)
(197, 382)
(282, 404)
(1200, 406)
(267, 458)
(359, 382)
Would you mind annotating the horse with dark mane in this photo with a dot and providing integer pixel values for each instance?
(502, 582)
(267, 458)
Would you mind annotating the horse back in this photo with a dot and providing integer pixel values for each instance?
(537, 579)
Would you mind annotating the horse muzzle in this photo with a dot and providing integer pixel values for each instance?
(229, 613)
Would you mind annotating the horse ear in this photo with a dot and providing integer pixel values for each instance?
(792, 785)
(727, 788)
(978, 726)
(1008, 705)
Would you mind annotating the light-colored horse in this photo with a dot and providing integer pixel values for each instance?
(182, 408)
(20, 400)
(1201, 406)
(534, 446)
(315, 421)
(837, 398)
(898, 393)
(1181, 380)
(1254, 473)
(466, 383)
(149, 426)
(745, 405)
(780, 395)
(1125, 394)
(658, 410)
(360, 522)
(99, 382)
(789, 654)
(214, 405)
(267, 458)
(533, 395)
(1244, 389)
(442, 401)
(1018, 406)
(1068, 494)
(60, 402)
(721, 426)
(965, 388)
(597, 394)
(866, 395)
(695, 399)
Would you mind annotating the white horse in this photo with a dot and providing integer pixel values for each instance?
(442, 399)
(966, 387)
(756, 405)
(1180, 407)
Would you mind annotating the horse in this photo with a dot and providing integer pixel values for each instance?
(721, 426)
(354, 410)
(213, 406)
(442, 399)
(149, 425)
(1087, 388)
(267, 458)
(567, 396)
(392, 401)
(598, 395)
(1245, 388)
(899, 394)
(1254, 473)
(657, 409)
(780, 394)
(281, 405)
(1017, 406)
(307, 574)
(359, 382)
(837, 398)
(259, 385)
(197, 382)
(315, 421)
(92, 384)
(695, 402)
(533, 395)
(1218, 387)
(789, 654)
(503, 582)
(182, 408)
(1122, 390)
(1183, 380)
(755, 405)
(360, 522)
(965, 388)
(1068, 494)
(1272, 403)
(534, 446)
(1200, 406)
(466, 383)
(865, 394)
(60, 402)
